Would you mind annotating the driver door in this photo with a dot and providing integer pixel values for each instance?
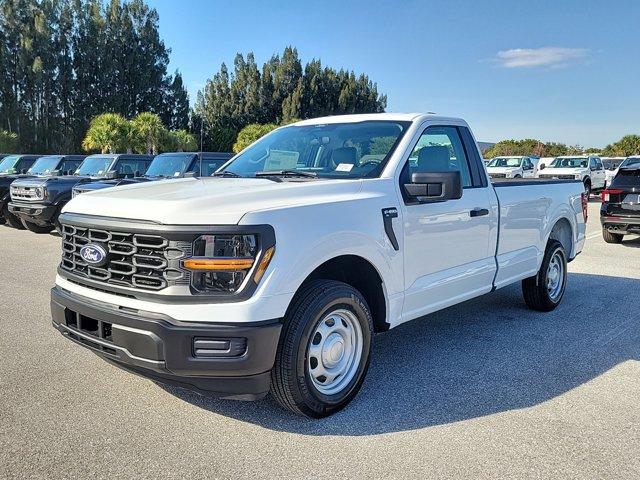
(447, 253)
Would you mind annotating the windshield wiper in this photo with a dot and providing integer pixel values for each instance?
(287, 173)
(225, 173)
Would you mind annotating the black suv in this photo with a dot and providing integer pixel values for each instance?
(38, 201)
(620, 210)
(165, 166)
(12, 167)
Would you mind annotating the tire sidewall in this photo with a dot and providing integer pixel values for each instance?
(554, 247)
(338, 300)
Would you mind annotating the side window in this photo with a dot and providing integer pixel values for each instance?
(23, 165)
(599, 164)
(126, 166)
(210, 166)
(68, 165)
(440, 149)
(143, 165)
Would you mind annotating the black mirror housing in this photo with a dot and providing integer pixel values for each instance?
(428, 187)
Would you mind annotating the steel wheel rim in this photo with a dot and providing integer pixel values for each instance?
(334, 351)
(555, 276)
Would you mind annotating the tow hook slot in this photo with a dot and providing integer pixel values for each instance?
(388, 214)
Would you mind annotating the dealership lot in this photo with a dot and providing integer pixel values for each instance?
(487, 388)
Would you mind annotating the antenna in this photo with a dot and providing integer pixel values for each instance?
(201, 137)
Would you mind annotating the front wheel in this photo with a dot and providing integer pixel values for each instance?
(587, 190)
(611, 237)
(324, 349)
(544, 291)
(35, 228)
(11, 219)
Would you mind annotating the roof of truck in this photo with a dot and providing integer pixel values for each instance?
(365, 117)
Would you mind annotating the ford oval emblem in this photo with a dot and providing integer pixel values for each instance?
(93, 254)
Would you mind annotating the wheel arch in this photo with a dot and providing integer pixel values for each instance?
(362, 275)
(563, 232)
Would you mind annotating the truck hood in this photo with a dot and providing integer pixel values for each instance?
(207, 201)
(564, 171)
(58, 182)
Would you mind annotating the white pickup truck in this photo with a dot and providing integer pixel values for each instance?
(275, 274)
(586, 168)
(512, 167)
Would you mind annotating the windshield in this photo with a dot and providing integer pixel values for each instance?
(8, 163)
(95, 166)
(169, 165)
(573, 162)
(44, 165)
(505, 162)
(630, 161)
(340, 150)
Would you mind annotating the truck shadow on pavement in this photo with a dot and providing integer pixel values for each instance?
(478, 358)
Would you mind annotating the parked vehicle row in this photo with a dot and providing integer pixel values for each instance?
(620, 209)
(34, 189)
(589, 169)
(274, 275)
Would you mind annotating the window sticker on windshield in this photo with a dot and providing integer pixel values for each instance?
(344, 167)
(281, 160)
(176, 174)
(100, 172)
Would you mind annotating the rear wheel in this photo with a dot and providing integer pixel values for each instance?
(544, 291)
(587, 189)
(324, 349)
(35, 228)
(11, 219)
(611, 237)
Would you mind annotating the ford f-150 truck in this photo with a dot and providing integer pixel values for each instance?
(37, 202)
(586, 168)
(512, 167)
(275, 274)
(165, 166)
(48, 165)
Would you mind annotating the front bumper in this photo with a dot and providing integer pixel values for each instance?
(225, 360)
(38, 213)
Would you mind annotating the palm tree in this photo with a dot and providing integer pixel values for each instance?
(181, 141)
(148, 131)
(108, 133)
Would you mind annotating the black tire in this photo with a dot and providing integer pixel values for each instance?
(612, 237)
(35, 228)
(11, 219)
(517, 176)
(534, 289)
(291, 383)
(587, 189)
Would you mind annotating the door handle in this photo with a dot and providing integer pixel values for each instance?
(479, 212)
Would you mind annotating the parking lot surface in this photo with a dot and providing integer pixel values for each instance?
(485, 389)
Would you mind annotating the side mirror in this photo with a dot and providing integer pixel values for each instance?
(111, 175)
(542, 166)
(136, 173)
(70, 171)
(23, 171)
(429, 187)
(56, 173)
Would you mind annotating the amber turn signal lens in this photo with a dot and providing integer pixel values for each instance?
(264, 263)
(218, 264)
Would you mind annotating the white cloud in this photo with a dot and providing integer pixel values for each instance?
(553, 57)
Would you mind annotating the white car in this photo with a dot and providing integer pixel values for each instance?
(274, 275)
(512, 167)
(586, 168)
(610, 174)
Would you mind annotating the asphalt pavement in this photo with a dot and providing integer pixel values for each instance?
(485, 389)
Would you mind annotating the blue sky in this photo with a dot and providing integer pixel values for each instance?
(563, 71)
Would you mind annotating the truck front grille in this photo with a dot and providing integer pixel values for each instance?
(498, 175)
(135, 260)
(24, 192)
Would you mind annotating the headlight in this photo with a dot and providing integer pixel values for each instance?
(578, 176)
(40, 192)
(224, 263)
